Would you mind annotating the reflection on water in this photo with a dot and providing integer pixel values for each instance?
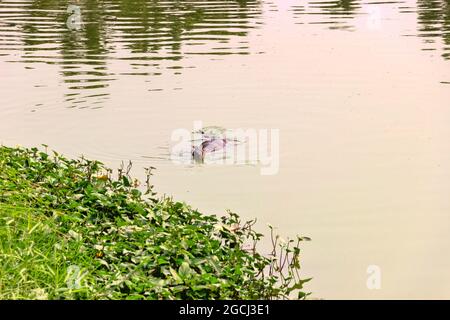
(335, 13)
(433, 17)
(159, 38)
(153, 37)
(434, 24)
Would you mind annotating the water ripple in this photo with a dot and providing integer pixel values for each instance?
(138, 32)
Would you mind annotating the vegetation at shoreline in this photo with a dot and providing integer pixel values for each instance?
(69, 230)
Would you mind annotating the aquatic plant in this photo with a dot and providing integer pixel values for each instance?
(70, 230)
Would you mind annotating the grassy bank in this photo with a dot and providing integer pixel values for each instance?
(73, 229)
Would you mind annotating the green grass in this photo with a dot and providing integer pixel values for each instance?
(69, 230)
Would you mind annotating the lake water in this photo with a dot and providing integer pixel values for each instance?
(359, 91)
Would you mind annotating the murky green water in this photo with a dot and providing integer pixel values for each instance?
(359, 90)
